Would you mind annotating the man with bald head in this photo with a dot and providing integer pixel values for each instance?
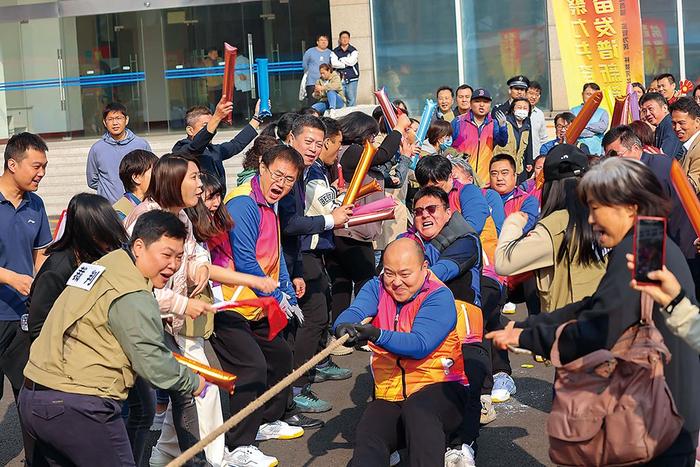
(420, 387)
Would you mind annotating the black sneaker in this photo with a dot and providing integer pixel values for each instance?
(303, 421)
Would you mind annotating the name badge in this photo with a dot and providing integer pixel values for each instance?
(85, 276)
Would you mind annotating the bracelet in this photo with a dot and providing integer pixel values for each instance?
(257, 118)
(674, 303)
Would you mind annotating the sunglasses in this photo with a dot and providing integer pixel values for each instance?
(429, 209)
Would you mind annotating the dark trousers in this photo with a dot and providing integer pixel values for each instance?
(8, 332)
(311, 337)
(141, 404)
(142, 408)
(244, 350)
(74, 429)
(680, 454)
(310, 100)
(350, 265)
(421, 423)
(477, 366)
(491, 301)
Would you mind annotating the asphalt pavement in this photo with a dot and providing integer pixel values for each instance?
(516, 438)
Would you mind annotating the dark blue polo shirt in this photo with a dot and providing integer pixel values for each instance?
(22, 231)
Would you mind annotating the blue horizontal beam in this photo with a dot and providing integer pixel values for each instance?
(82, 81)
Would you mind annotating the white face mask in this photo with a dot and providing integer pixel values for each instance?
(520, 114)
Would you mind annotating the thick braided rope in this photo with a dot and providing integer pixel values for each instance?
(257, 403)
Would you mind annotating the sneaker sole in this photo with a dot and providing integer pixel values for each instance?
(282, 437)
(303, 410)
(321, 378)
(342, 351)
(498, 400)
(508, 312)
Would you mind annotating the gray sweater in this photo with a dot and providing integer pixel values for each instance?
(312, 60)
(103, 163)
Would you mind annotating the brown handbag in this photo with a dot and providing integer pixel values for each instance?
(613, 407)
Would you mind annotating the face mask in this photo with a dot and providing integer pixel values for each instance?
(446, 144)
(520, 114)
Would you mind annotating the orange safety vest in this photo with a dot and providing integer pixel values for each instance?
(395, 377)
(488, 236)
(267, 250)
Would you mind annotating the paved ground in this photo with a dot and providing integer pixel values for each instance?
(515, 439)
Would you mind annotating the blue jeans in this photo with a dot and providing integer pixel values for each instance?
(350, 90)
(333, 102)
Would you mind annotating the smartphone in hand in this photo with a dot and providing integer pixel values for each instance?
(649, 247)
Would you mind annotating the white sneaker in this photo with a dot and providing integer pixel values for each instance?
(460, 457)
(278, 430)
(508, 308)
(394, 459)
(158, 421)
(159, 458)
(248, 456)
(488, 412)
(503, 387)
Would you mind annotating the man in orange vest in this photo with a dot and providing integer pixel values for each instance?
(420, 387)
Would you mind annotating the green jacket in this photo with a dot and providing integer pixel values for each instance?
(96, 341)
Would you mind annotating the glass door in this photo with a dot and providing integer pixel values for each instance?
(111, 69)
(33, 78)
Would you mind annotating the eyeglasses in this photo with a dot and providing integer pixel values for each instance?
(431, 209)
(115, 119)
(279, 177)
(561, 127)
(613, 153)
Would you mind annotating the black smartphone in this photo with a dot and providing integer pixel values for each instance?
(649, 247)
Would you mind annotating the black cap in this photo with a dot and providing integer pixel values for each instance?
(519, 81)
(563, 161)
(481, 93)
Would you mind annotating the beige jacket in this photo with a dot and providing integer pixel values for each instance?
(172, 299)
(691, 164)
(333, 84)
(685, 322)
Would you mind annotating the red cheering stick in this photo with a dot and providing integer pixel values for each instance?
(275, 316)
(224, 380)
(583, 117)
(230, 54)
(687, 195)
(620, 112)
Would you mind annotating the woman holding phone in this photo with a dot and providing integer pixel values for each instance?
(617, 191)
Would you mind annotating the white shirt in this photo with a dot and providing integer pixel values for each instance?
(689, 143)
(539, 130)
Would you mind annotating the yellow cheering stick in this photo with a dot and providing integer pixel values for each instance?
(224, 380)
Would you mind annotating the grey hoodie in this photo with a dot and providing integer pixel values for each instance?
(103, 163)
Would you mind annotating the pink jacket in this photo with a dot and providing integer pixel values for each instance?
(172, 299)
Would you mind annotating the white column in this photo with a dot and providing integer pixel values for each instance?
(460, 45)
(681, 39)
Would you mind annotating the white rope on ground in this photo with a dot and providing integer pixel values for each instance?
(259, 402)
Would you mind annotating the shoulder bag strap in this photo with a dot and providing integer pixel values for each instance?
(647, 309)
(554, 352)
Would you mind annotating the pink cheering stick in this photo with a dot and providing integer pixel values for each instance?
(633, 101)
(387, 108)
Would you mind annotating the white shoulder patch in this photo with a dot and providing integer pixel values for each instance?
(85, 276)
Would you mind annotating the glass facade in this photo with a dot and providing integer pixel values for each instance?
(503, 39)
(415, 48)
(660, 37)
(56, 74)
(691, 20)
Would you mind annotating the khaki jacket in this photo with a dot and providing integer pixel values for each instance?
(76, 351)
(691, 164)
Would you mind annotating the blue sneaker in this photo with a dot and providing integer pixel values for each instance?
(331, 372)
(308, 402)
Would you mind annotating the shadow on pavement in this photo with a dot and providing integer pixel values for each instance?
(538, 394)
(343, 423)
(497, 447)
(11, 436)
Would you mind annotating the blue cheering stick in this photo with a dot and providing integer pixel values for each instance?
(263, 88)
(426, 117)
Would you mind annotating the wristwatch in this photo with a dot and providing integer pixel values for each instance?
(674, 303)
(257, 118)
